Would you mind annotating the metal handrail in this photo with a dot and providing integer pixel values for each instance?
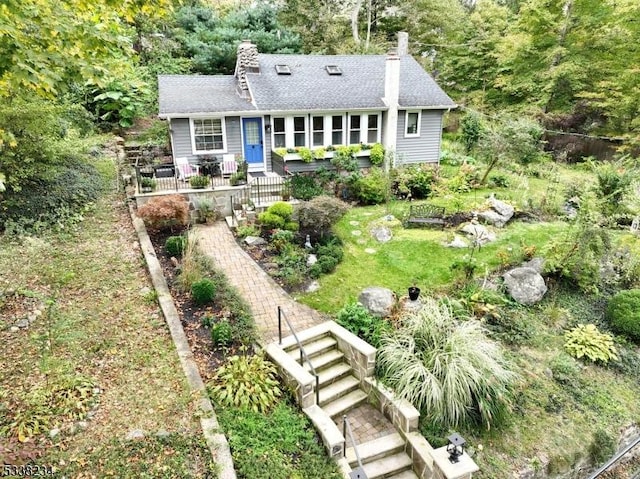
(615, 458)
(303, 353)
(346, 429)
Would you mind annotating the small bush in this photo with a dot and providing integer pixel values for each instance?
(321, 213)
(623, 313)
(282, 209)
(355, 318)
(221, 333)
(498, 181)
(327, 264)
(247, 382)
(603, 446)
(175, 245)
(587, 341)
(270, 220)
(199, 181)
(281, 238)
(305, 187)
(371, 189)
(415, 181)
(376, 154)
(165, 213)
(203, 291)
(291, 226)
(247, 230)
(331, 249)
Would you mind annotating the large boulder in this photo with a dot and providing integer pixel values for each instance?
(457, 242)
(378, 301)
(382, 234)
(479, 234)
(499, 213)
(525, 285)
(254, 241)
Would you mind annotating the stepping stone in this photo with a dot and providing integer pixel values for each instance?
(370, 251)
(356, 232)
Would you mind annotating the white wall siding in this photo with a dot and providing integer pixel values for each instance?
(266, 141)
(424, 148)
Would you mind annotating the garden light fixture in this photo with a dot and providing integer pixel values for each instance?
(455, 448)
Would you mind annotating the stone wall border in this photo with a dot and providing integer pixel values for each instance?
(216, 440)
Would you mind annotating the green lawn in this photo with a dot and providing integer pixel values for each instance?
(414, 254)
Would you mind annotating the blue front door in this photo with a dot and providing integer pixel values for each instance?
(252, 133)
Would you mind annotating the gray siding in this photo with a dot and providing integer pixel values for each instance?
(424, 148)
(181, 136)
(234, 137)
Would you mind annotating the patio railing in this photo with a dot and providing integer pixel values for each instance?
(160, 178)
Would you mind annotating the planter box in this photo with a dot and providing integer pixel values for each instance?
(294, 164)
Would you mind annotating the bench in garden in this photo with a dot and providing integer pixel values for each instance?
(425, 215)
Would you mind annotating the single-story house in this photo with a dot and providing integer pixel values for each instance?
(277, 104)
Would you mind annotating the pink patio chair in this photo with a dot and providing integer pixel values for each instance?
(229, 165)
(185, 169)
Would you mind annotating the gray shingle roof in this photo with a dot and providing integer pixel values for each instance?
(199, 94)
(309, 87)
(361, 85)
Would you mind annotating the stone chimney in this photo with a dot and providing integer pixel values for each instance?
(246, 62)
(391, 94)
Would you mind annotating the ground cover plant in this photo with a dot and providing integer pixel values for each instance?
(278, 445)
(71, 381)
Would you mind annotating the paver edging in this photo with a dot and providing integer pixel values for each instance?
(216, 441)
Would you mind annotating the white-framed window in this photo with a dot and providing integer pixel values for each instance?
(373, 128)
(354, 129)
(337, 130)
(208, 135)
(412, 123)
(279, 132)
(299, 131)
(317, 131)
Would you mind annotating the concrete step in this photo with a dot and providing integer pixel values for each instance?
(314, 348)
(325, 360)
(376, 449)
(344, 403)
(333, 373)
(338, 389)
(388, 466)
(408, 474)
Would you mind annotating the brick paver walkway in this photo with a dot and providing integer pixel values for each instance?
(367, 424)
(264, 296)
(262, 293)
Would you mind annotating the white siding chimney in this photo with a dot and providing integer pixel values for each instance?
(403, 43)
(391, 94)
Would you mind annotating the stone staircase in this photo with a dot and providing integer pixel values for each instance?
(340, 391)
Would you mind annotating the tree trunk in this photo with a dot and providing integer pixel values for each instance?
(354, 21)
(557, 58)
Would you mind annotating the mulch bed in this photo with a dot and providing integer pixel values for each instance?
(207, 356)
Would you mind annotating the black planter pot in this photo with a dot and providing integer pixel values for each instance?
(414, 293)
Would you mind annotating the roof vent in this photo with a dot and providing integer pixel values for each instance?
(333, 70)
(283, 70)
